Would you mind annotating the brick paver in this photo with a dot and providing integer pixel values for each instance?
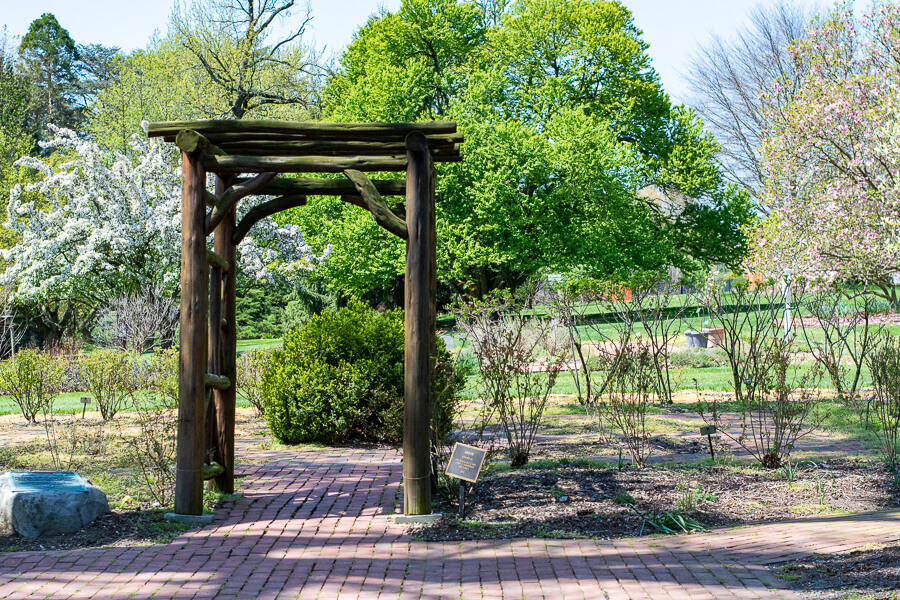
(316, 524)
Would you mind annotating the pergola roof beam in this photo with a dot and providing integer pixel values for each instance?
(385, 132)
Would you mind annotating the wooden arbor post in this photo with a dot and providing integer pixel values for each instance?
(419, 315)
(223, 355)
(192, 358)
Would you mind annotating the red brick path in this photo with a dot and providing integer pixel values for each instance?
(316, 525)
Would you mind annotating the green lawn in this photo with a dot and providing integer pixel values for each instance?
(247, 345)
(710, 379)
(716, 378)
(68, 403)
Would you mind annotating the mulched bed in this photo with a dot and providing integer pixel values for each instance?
(889, 318)
(665, 448)
(118, 528)
(576, 501)
(872, 572)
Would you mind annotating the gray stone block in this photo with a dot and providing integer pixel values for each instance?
(42, 513)
(412, 519)
(194, 520)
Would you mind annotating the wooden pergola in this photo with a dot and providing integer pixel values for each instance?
(247, 158)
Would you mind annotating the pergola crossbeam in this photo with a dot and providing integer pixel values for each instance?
(191, 141)
(242, 163)
(309, 186)
(287, 147)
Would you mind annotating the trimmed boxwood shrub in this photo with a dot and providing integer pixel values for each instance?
(340, 376)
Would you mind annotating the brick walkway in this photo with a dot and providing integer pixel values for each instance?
(316, 525)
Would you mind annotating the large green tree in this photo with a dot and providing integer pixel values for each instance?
(219, 59)
(232, 45)
(64, 77)
(567, 128)
(16, 132)
(49, 59)
(152, 84)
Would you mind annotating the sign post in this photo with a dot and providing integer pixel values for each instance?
(708, 431)
(465, 465)
(85, 400)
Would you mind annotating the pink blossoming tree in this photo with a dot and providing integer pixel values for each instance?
(832, 155)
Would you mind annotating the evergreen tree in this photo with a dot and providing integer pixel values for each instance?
(49, 59)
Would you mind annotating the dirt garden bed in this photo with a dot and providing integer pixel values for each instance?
(870, 573)
(587, 499)
(118, 528)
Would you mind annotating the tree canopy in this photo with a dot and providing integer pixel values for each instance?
(565, 123)
(728, 75)
(219, 59)
(229, 42)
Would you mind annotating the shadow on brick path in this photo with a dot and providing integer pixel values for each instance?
(315, 524)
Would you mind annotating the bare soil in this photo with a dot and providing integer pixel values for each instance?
(888, 318)
(574, 500)
(872, 573)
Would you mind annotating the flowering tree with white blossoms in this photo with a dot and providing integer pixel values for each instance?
(90, 229)
(96, 227)
(275, 253)
(832, 155)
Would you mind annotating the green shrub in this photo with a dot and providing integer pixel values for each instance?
(109, 376)
(884, 363)
(699, 358)
(33, 379)
(161, 376)
(338, 377)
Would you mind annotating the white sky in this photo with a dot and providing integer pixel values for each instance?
(673, 28)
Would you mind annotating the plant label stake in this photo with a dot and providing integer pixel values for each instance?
(708, 431)
(85, 400)
(465, 465)
(462, 499)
